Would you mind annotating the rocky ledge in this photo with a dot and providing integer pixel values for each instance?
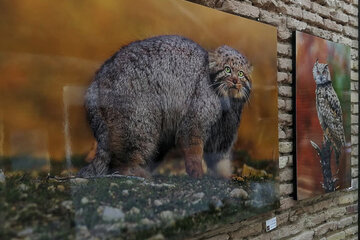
(121, 207)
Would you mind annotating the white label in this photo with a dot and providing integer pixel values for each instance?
(270, 224)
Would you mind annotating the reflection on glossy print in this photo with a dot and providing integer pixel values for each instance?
(159, 117)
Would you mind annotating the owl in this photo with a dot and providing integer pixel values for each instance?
(328, 108)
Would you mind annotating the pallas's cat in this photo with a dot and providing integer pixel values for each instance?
(163, 92)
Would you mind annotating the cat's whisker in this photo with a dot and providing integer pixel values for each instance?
(248, 99)
(246, 92)
(220, 88)
(223, 87)
(213, 84)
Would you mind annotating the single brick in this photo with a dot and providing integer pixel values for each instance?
(354, 76)
(283, 160)
(284, 33)
(351, 230)
(354, 97)
(285, 119)
(285, 147)
(339, 16)
(314, 220)
(271, 18)
(350, 9)
(307, 235)
(354, 172)
(355, 183)
(348, 198)
(303, 3)
(335, 212)
(320, 32)
(293, 11)
(286, 174)
(354, 130)
(355, 65)
(353, 21)
(285, 91)
(286, 188)
(269, 5)
(354, 140)
(285, 64)
(320, 206)
(284, 49)
(240, 8)
(287, 203)
(283, 77)
(354, 85)
(354, 119)
(352, 208)
(312, 18)
(294, 24)
(350, 31)
(337, 236)
(247, 231)
(326, 227)
(354, 44)
(321, 10)
(332, 25)
(344, 222)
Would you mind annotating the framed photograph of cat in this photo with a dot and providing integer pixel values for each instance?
(323, 116)
(167, 108)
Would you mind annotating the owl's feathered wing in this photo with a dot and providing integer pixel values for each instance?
(330, 115)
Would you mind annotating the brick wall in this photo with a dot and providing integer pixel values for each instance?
(330, 216)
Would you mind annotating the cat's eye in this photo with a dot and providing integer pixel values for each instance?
(227, 69)
(241, 74)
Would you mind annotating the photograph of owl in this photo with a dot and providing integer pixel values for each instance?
(329, 109)
(323, 116)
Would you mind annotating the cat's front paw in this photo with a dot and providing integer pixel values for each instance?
(223, 169)
(194, 168)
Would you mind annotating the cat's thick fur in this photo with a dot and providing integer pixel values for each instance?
(162, 92)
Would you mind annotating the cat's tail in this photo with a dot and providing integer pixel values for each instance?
(101, 161)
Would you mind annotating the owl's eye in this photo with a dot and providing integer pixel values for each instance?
(241, 74)
(227, 69)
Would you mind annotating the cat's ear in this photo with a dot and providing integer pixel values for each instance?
(212, 54)
(251, 67)
(317, 61)
(212, 59)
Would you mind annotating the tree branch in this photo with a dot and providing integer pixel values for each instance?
(325, 161)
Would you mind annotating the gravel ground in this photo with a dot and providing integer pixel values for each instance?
(36, 207)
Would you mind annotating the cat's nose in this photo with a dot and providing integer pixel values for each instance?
(235, 81)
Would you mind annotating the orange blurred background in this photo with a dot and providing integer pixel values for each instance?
(49, 54)
(308, 49)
